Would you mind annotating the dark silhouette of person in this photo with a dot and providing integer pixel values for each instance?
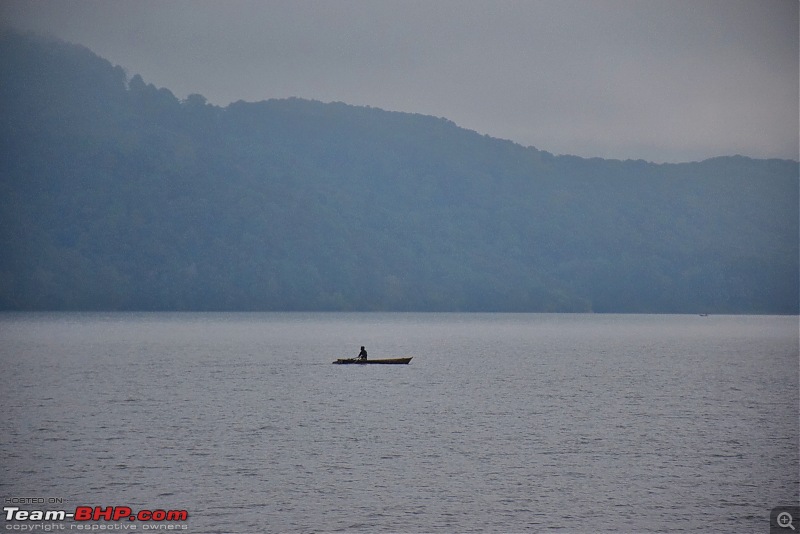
(363, 354)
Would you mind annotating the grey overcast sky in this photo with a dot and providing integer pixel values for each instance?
(661, 80)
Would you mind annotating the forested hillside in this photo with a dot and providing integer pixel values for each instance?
(116, 195)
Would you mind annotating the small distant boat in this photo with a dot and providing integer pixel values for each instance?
(388, 361)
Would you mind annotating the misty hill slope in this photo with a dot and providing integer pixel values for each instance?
(116, 195)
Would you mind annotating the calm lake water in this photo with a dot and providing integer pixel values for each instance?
(501, 423)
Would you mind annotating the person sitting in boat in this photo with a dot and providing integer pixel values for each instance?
(363, 354)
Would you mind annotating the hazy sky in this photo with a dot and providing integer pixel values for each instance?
(662, 80)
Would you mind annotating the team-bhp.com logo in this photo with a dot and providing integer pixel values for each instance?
(85, 515)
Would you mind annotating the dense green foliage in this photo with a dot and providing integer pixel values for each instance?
(116, 195)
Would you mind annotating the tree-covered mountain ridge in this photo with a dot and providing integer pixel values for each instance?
(116, 195)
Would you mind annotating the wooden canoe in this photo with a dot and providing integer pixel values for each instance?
(388, 361)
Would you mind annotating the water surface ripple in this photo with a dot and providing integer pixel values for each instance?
(501, 423)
